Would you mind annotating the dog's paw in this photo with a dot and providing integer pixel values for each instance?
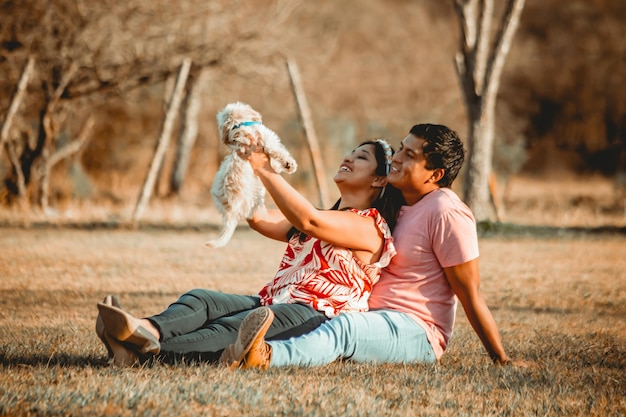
(215, 244)
(290, 166)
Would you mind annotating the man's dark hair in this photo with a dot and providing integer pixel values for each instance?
(442, 149)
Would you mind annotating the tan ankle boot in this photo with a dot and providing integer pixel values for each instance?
(250, 349)
(259, 356)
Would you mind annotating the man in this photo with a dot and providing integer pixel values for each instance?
(413, 306)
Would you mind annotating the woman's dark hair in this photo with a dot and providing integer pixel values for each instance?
(390, 200)
(443, 149)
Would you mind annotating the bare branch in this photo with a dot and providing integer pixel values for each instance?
(65, 80)
(17, 166)
(16, 100)
(283, 13)
(467, 23)
(464, 59)
(485, 15)
(74, 146)
(507, 30)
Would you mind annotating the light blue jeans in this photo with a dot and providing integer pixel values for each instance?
(375, 336)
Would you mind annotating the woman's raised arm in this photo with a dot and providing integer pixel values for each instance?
(342, 228)
(270, 223)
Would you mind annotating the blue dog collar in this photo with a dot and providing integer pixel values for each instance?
(237, 126)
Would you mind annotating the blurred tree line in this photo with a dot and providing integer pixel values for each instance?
(103, 74)
(569, 85)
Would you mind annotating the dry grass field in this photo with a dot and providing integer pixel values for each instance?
(559, 300)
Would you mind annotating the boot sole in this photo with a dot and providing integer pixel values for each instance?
(255, 325)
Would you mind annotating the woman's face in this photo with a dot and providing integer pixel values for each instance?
(358, 167)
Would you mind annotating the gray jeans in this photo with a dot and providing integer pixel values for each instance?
(201, 323)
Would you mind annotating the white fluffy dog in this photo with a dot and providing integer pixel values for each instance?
(237, 192)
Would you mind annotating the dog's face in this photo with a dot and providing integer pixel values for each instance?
(232, 133)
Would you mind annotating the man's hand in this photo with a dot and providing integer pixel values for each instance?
(517, 363)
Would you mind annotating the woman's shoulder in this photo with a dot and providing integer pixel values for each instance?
(379, 220)
(368, 212)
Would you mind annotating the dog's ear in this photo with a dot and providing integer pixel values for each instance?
(224, 123)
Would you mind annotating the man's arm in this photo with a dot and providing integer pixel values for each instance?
(465, 282)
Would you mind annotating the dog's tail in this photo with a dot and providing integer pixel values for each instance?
(229, 224)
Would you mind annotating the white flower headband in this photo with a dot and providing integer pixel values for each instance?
(388, 157)
(388, 154)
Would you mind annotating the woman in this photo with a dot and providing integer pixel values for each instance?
(325, 271)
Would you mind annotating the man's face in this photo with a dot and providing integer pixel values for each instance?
(408, 170)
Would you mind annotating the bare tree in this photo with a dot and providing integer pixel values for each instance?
(479, 65)
(45, 33)
(112, 47)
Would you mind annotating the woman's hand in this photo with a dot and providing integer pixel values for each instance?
(256, 157)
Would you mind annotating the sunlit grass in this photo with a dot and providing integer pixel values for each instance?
(560, 302)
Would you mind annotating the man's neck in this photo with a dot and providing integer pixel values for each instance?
(412, 199)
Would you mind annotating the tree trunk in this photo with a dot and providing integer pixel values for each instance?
(76, 145)
(50, 129)
(44, 167)
(479, 70)
(189, 132)
(164, 138)
(19, 181)
(309, 131)
(170, 85)
(476, 187)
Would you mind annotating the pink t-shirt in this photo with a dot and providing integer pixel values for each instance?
(438, 231)
(327, 277)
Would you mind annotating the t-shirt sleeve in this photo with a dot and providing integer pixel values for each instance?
(455, 240)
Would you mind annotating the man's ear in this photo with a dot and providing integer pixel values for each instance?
(438, 174)
(379, 182)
